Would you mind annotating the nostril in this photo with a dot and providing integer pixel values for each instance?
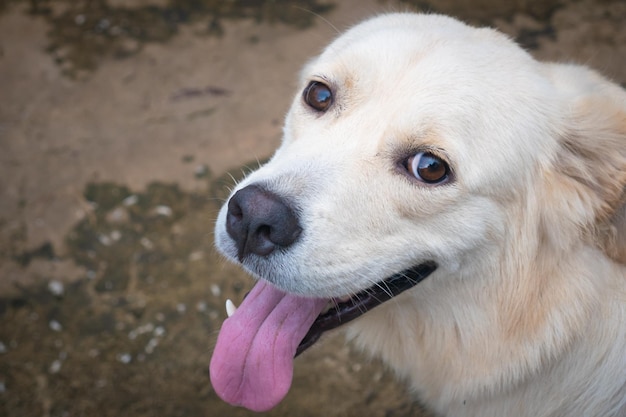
(264, 231)
(262, 242)
(234, 218)
(234, 209)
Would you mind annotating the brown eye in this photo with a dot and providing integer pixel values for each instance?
(428, 168)
(318, 96)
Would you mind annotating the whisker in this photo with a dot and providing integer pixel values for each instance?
(383, 285)
(235, 182)
(323, 19)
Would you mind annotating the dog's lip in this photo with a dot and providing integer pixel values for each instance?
(361, 303)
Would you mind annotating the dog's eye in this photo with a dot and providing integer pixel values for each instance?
(428, 168)
(318, 96)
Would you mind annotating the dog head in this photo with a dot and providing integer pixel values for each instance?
(407, 142)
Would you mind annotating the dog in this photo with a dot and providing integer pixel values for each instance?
(462, 202)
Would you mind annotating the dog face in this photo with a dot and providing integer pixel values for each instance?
(401, 149)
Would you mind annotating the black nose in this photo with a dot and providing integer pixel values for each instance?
(260, 221)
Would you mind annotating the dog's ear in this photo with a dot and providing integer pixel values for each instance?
(590, 164)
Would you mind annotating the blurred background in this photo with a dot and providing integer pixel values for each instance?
(122, 125)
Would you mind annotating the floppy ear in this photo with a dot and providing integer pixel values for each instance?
(590, 164)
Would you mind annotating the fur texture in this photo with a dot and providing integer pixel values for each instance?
(526, 314)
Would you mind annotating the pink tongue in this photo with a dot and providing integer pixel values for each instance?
(252, 364)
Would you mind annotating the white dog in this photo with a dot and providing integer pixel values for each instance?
(422, 149)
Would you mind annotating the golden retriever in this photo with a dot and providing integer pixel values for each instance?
(482, 193)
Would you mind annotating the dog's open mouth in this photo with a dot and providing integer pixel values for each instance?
(252, 364)
(361, 303)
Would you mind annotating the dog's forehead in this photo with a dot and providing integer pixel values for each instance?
(395, 28)
(437, 67)
(389, 46)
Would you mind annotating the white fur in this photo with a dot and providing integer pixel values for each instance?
(526, 314)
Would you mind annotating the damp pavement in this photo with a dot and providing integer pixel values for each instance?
(122, 126)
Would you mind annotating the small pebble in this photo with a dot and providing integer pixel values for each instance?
(125, 358)
(163, 211)
(215, 290)
(117, 216)
(146, 328)
(105, 240)
(201, 171)
(131, 200)
(55, 366)
(3, 348)
(146, 243)
(152, 344)
(55, 326)
(56, 288)
(181, 308)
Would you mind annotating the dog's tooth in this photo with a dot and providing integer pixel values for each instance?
(344, 299)
(326, 309)
(230, 307)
